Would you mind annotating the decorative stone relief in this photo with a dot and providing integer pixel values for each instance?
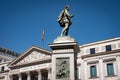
(15, 71)
(34, 56)
(62, 68)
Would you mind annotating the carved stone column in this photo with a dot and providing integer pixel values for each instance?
(85, 70)
(118, 67)
(78, 72)
(28, 76)
(39, 75)
(49, 73)
(19, 76)
(6, 77)
(101, 69)
(10, 77)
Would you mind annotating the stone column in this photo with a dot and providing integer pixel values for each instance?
(10, 77)
(118, 67)
(49, 73)
(79, 77)
(101, 69)
(19, 76)
(28, 76)
(85, 70)
(39, 75)
(6, 77)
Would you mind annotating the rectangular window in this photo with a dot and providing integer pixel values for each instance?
(92, 51)
(110, 69)
(108, 48)
(2, 68)
(0, 60)
(93, 72)
(77, 73)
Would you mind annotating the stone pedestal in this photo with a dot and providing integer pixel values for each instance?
(64, 56)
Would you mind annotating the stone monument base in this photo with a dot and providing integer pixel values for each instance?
(64, 39)
(64, 55)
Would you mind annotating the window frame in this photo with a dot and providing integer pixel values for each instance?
(1, 60)
(92, 51)
(2, 68)
(108, 48)
(108, 69)
(93, 76)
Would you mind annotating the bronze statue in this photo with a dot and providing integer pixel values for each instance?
(64, 20)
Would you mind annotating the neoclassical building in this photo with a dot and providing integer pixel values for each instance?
(6, 56)
(95, 61)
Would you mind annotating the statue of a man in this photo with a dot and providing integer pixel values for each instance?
(64, 20)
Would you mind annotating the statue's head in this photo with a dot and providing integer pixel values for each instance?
(67, 7)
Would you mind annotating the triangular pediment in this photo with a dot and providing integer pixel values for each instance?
(33, 54)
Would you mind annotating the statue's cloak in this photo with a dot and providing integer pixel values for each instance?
(64, 18)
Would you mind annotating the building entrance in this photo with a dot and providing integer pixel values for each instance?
(34, 76)
(44, 74)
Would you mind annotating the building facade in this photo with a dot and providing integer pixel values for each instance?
(6, 56)
(95, 61)
(100, 60)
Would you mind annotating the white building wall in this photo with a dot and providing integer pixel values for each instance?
(102, 60)
(101, 67)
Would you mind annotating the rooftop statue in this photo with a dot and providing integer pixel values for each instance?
(64, 20)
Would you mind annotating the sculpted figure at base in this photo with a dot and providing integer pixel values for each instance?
(64, 20)
(62, 69)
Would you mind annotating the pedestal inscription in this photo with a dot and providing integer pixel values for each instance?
(62, 68)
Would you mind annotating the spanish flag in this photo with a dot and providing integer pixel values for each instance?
(42, 34)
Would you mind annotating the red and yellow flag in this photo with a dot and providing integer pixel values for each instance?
(42, 34)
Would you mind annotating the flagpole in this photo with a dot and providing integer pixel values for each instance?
(43, 38)
(43, 43)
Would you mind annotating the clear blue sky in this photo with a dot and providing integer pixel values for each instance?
(22, 21)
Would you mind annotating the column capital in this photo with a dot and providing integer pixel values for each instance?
(48, 68)
(10, 77)
(10, 74)
(39, 71)
(118, 56)
(28, 72)
(100, 58)
(19, 74)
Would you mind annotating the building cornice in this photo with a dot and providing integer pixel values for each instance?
(4, 71)
(100, 53)
(100, 42)
(6, 57)
(7, 62)
(45, 60)
(9, 52)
